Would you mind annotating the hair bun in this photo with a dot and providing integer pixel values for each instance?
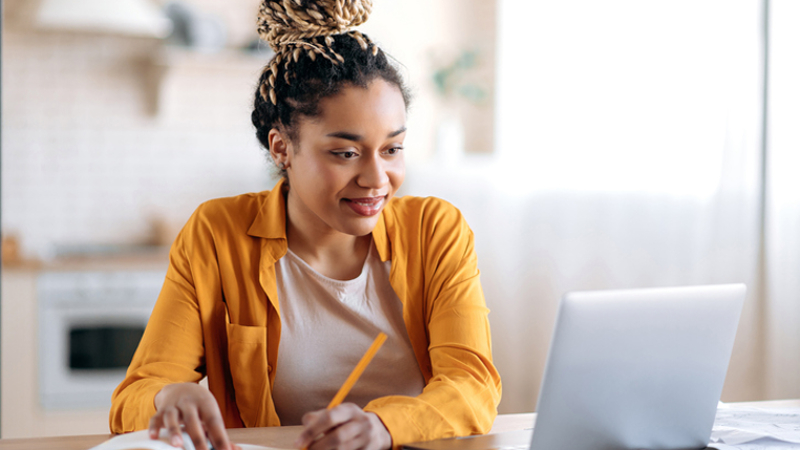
(281, 22)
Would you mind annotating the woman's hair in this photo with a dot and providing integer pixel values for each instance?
(316, 55)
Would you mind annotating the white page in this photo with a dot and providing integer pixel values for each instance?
(141, 440)
(760, 444)
(739, 424)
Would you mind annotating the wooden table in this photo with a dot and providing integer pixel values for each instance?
(283, 437)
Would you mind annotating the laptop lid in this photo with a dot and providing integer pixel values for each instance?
(640, 368)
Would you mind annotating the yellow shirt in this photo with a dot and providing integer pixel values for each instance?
(218, 316)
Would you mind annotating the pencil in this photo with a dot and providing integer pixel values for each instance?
(359, 369)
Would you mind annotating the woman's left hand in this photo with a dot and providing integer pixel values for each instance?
(345, 427)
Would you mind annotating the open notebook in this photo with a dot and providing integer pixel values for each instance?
(140, 440)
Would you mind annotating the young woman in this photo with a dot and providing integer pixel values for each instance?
(275, 296)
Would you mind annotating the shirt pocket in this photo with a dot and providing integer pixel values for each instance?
(247, 356)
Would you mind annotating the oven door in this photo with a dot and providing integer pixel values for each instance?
(87, 340)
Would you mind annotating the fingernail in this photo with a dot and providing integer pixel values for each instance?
(176, 441)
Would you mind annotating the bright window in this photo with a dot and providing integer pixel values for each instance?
(625, 95)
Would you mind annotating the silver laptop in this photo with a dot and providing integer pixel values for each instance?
(629, 369)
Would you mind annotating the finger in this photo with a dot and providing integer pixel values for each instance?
(173, 425)
(306, 436)
(217, 433)
(321, 422)
(156, 422)
(361, 437)
(191, 420)
(315, 424)
(349, 435)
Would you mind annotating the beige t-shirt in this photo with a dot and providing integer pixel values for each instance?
(327, 325)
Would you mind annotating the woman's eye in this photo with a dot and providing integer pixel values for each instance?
(345, 154)
(393, 150)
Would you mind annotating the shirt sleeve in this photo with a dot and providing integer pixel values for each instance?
(170, 351)
(463, 386)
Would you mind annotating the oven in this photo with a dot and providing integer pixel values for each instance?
(90, 323)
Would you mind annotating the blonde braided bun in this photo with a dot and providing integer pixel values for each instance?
(295, 27)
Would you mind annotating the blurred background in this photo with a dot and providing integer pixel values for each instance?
(591, 145)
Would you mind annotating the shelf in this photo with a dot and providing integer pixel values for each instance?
(172, 59)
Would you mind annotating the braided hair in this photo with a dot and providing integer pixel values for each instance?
(316, 55)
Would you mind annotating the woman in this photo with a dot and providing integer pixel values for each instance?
(274, 296)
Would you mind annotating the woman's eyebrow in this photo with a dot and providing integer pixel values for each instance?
(395, 133)
(345, 135)
(357, 137)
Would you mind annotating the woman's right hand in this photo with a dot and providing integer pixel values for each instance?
(193, 406)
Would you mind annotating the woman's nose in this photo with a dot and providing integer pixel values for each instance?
(373, 173)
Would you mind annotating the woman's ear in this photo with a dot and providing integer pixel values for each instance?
(279, 146)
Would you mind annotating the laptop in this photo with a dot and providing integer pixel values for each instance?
(629, 369)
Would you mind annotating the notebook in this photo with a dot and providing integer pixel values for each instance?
(140, 440)
(629, 369)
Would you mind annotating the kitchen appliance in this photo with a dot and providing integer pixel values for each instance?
(90, 323)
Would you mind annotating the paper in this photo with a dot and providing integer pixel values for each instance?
(140, 440)
(739, 427)
(760, 444)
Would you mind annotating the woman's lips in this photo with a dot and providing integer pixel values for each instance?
(366, 206)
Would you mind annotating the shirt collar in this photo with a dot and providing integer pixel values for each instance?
(270, 222)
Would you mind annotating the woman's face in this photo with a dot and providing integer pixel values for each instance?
(347, 163)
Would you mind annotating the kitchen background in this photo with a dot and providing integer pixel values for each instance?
(589, 144)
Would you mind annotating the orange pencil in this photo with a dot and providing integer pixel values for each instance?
(359, 369)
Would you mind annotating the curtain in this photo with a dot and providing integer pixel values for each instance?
(782, 231)
(628, 155)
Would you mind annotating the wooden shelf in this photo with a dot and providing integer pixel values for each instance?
(172, 59)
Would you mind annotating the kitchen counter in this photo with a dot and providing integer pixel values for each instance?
(128, 258)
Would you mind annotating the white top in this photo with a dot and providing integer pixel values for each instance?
(326, 327)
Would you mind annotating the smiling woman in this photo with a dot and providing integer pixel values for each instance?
(317, 267)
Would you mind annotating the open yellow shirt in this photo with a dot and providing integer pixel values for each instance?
(218, 316)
